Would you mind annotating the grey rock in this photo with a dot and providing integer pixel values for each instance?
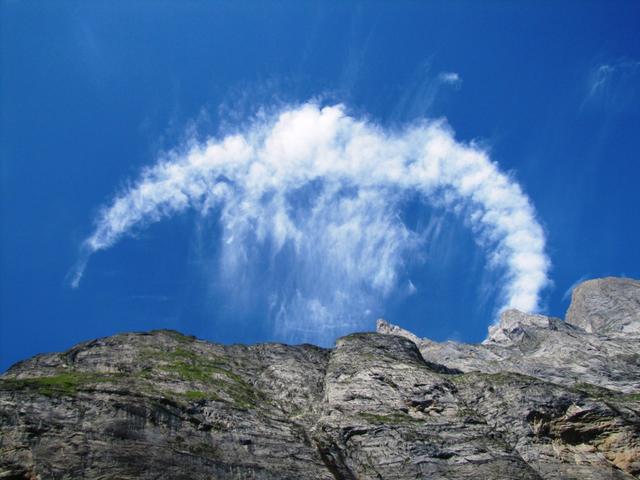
(606, 305)
(543, 347)
(539, 399)
(387, 414)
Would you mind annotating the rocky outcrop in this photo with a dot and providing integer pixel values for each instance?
(606, 306)
(539, 399)
(543, 347)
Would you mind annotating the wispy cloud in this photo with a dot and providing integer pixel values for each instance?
(451, 78)
(323, 189)
(600, 78)
(411, 288)
(422, 91)
(613, 83)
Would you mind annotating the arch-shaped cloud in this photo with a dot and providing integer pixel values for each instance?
(325, 186)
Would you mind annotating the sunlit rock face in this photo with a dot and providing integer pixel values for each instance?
(541, 398)
(562, 352)
(606, 306)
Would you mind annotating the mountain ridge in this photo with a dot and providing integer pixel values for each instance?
(541, 398)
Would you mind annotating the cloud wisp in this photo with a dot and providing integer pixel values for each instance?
(613, 85)
(323, 189)
(451, 78)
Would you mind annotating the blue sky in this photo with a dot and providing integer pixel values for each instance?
(109, 101)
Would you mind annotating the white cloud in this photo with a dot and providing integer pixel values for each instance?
(452, 78)
(323, 188)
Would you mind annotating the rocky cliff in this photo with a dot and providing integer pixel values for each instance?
(541, 398)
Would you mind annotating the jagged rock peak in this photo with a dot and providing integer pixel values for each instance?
(386, 328)
(606, 305)
(552, 349)
(514, 323)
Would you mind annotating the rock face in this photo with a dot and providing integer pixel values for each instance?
(606, 305)
(539, 399)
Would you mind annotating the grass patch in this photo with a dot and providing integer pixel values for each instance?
(213, 372)
(55, 385)
(390, 419)
(242, 394)
(602, 393)
(197, 395)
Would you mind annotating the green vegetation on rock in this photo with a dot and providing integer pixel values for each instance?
(198, 395)
(213, 372)
(55, 385)
(389, 419)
